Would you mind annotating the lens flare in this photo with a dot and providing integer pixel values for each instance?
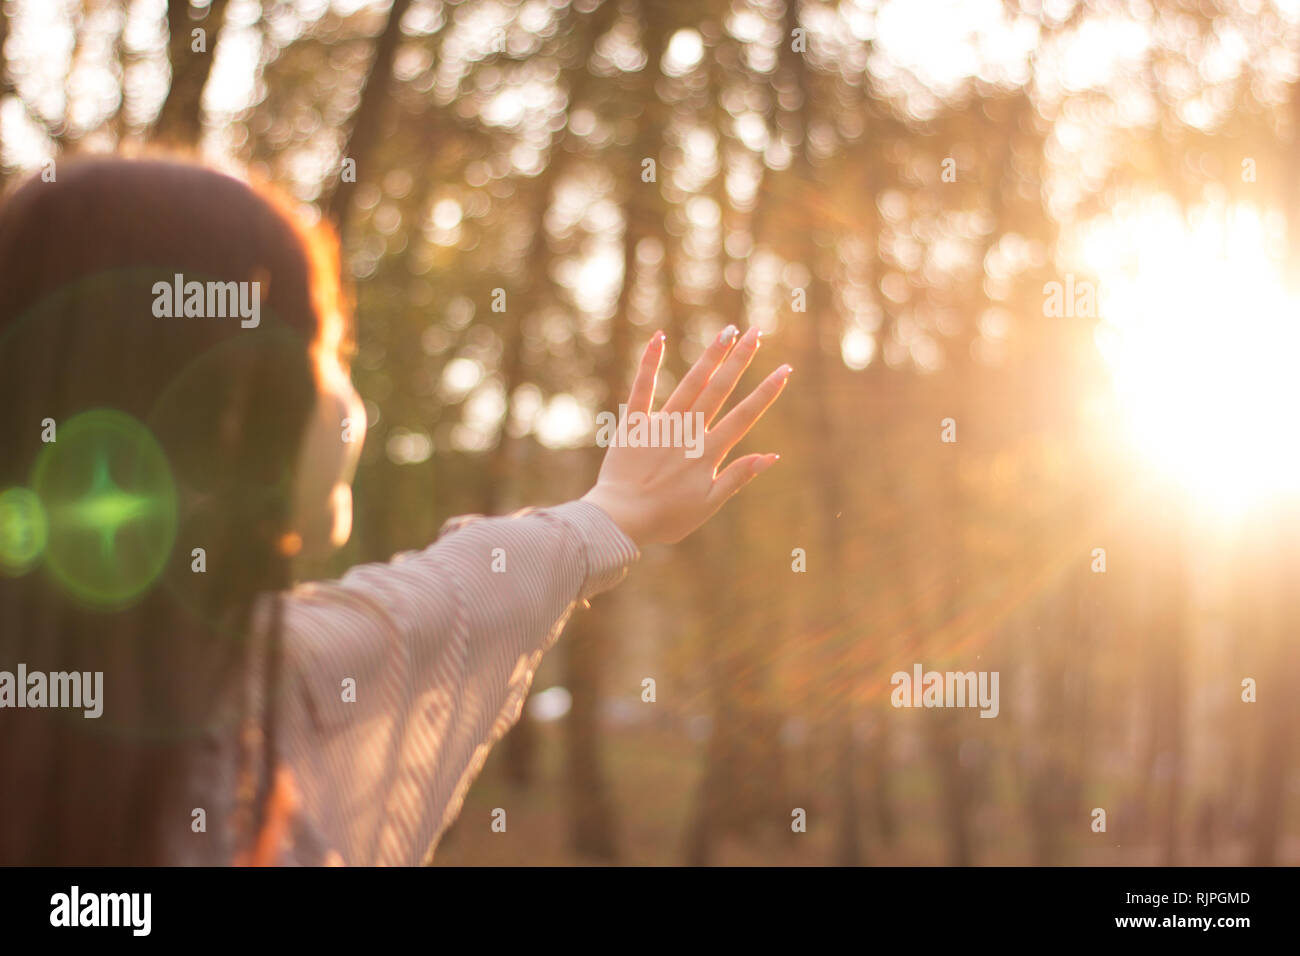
(23, 531)
(110, 502)
(1201, 338)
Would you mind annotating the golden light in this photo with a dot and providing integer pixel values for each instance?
(1202, 337)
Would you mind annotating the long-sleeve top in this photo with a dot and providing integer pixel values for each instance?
(401, 676)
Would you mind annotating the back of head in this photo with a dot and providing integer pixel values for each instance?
(158, 322)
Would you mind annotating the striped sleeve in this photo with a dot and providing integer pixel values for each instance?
(401, 676)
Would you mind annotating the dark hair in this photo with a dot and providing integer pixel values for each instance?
(190, 662)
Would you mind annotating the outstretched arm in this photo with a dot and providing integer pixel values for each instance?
(440, 646)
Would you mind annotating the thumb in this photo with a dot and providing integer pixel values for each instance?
(738, 474)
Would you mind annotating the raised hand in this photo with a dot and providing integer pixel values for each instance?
(662, 494)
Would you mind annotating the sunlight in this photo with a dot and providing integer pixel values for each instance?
(1202, 336)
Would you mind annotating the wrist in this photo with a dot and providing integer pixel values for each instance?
(612, 506)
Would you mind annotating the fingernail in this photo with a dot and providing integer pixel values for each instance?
(727, 335)
(751, 335)
(763, 464)
(660, 336)
(784, 371)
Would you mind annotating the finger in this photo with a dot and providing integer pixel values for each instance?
(689, 388)
(643, 387)
(737, 422)
(736, 475)
(720, 385)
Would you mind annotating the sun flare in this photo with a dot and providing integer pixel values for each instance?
(1202, 336)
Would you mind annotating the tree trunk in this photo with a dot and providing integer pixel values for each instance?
(367, 123)
(591, 817)
(1276, 698)
(180, 120)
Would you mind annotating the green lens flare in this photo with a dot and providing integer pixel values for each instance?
(110, 502)
(23, 531)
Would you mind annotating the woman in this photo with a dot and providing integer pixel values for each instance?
(176, 410)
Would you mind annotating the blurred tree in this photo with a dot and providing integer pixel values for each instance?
(191, 48)
(368, 121)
